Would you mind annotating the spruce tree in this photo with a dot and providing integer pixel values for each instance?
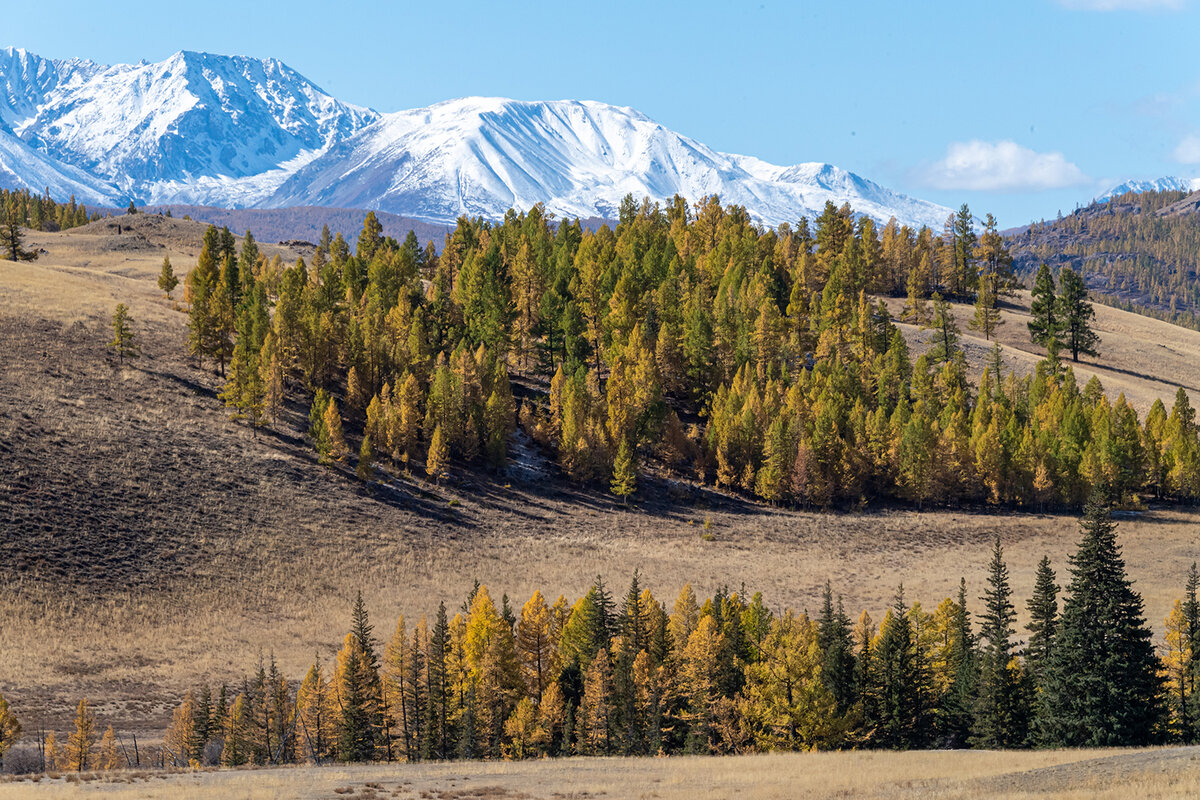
(1002, 712)
(1043, 622)
(897, 681)
(837, 648)
(1043, 325)
(956, 709)
(1102, 686)
(1075, 316)
(1190, 608)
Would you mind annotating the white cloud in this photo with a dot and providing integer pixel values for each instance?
(1122, 5)
(1188, 150)
(1001, 167)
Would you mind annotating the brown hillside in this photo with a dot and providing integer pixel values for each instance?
(148, 542)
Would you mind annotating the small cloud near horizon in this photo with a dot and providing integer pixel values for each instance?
(1123, 5)
(1001, 167)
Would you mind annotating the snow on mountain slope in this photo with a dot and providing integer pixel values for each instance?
(242, 132)
(22, 167)
(155, 129)
(1167, 184)
(481, 156)
(26, 80)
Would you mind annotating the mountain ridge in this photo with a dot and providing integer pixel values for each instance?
(241, 132)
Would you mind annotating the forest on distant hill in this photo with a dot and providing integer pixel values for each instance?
(1138, 252)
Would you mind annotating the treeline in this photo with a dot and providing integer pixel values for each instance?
(726, 674)
(41, 212)
(690, 341)
(1135, 258)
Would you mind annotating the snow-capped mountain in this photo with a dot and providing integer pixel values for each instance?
(242, 132)
(481, 156)
(22, 167)
(1166, 184)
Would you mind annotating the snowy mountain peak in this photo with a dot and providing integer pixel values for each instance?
(479, 156)
(238, 131)
(1168, 183)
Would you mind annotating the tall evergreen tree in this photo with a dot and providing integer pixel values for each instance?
(1002, 711)
(1043, 311)
(837, 647)
(1075, 315)
(1102, 685)
(1043, 622)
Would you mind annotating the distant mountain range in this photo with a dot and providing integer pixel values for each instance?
(241, 132)
(1165, 184)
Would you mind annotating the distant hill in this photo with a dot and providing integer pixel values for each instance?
(305, 223)
(1138, 251)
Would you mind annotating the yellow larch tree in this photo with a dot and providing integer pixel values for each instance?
(1178, 663)
(594, 721)
(314, 714)
(10, 728)
(81, 742)
(786, 703)
(108, 757)
(534, 645)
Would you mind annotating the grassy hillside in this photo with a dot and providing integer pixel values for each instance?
(1146, 359)
(150, 542)
(980, 775)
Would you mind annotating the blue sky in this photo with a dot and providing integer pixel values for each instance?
(1020, 108)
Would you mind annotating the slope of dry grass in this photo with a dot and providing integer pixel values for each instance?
(148, 542)
(1103, 775)
(1145, 358)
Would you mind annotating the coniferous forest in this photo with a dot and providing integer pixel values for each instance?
(626, 675)
(688, 341)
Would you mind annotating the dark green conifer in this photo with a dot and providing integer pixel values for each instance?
(1102, 685)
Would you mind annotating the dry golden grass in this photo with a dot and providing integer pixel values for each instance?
(1145, 358)
(1105, 775)
(154, 544)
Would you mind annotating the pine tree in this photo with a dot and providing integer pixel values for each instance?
(1044, 322)
(123, 338)
(166, 278)
(897, 681)
(535, 646)
(1102, 685)
(313, 715)
(1075, 315)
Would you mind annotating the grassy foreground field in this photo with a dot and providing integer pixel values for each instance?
(151, 543)
(1101, 774)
